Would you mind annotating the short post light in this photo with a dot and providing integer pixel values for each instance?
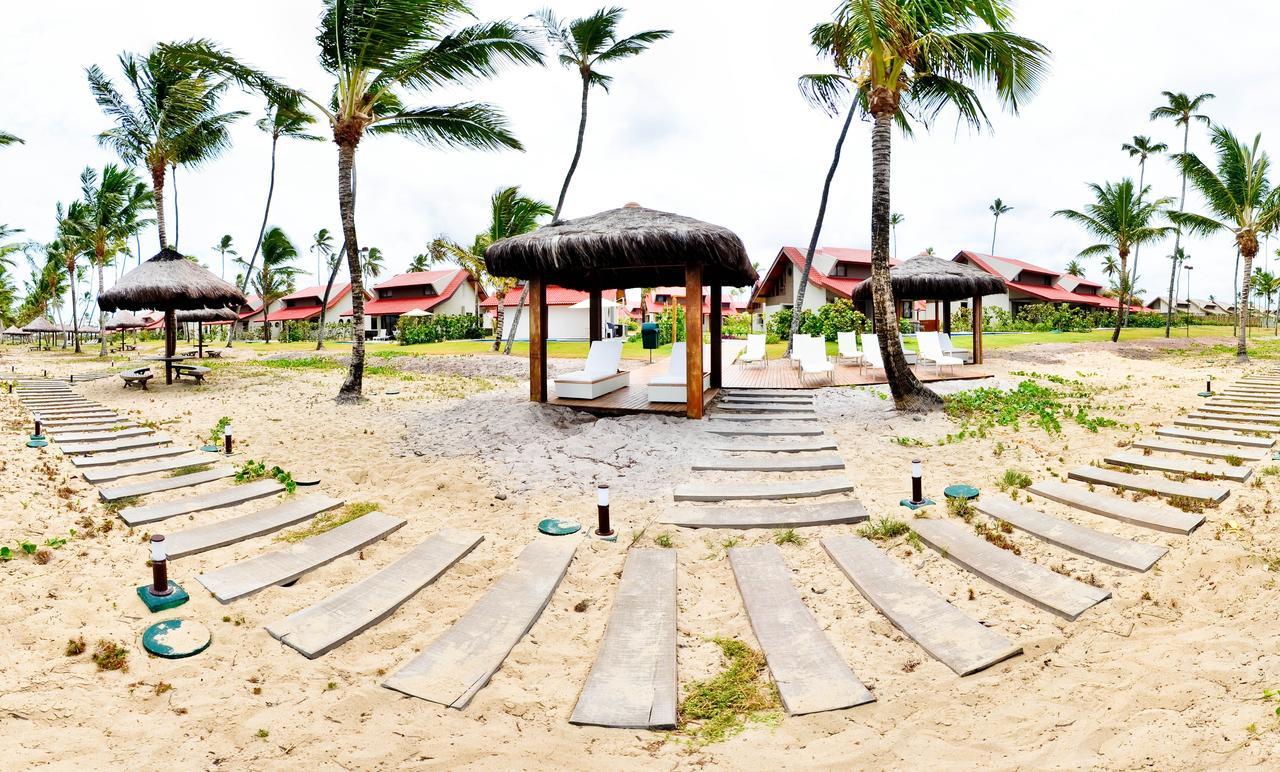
(162, 593)
(604, 529)
(1208, 388)
(37, 438)
(917, 499)
(226, 440)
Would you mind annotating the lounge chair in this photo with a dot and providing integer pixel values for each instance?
(755, 350)
(950, 349)
(931, 351)
(847, 347)
(672, 386)
(600, 376)
(813, 359)
(796, 345)
(871, 357)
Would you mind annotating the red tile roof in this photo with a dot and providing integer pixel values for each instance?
(1051, 294)
(418, 278)
(309, 310)
(556, 296)
(397, 306)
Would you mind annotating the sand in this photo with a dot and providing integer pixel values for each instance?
(1168, 674)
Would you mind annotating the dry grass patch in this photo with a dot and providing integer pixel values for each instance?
(330, 520)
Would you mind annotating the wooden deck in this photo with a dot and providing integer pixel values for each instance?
(778, 375)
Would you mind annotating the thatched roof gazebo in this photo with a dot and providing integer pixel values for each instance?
(41, 327)
(202, 315)
(925, 277)
(14, 333)
(169, 282)
(626, 247)
(123, 320)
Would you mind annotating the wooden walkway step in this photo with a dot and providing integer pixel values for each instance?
(128, 443)
(63, 436)
(1155, 517)
(1236, 410)
(462, 660)
(1221, 438)
(86, 424)
(1240, 418)
(758, 431)
(97, 459)
(810, 674)
(1229, 401)
(283, 566)
(780, 516)
(1180, 466)
(1159, 486)
(1229, 426)
(74, 412)
(791, 489)
(802, 399)
(1095, 545)
(949, 635)
(632, 684)
(776, 447)
(97, 476)
(203, 538)
(789, 464)
(162, 484)
(1204, 451)
(321, 628)
(740, 392)
(765, 407)
(43, 404)
(227, 497)
(764, 417)
(1021, 578)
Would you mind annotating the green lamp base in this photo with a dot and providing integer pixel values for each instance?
(553, 527)
(913, 505)
(156, 603)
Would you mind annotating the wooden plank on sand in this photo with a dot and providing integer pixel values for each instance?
(632, 684)
(788, 464)
(462, 660)
(1220, 438)
(86, 424)
(227, 497)
(1021, 578)
(1159, 486)
(162, 484)
(1180, 466)
(1237, 410)
(258, 573)
(765, 407)
(203, 538)
(1156, 517)
(949, 635)
(758, 431)
(321, 628)
(741, 392)
(77, 448)
(1204, 451)
(97, 459)
(1095, 545)
(777, 516)
(803, 399)
(97, 476)
(810, 674)
(776, 447)
(1243, 417)
(765, 417)
(1228, 426)
(63, 436)
(791, 489)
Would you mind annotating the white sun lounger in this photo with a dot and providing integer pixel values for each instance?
(813, 359)
(931, 351)
(755, 350)
(871, 356)
(600, 376)
(950, 348)
(672, 387)
(847, 347)
(797, 343)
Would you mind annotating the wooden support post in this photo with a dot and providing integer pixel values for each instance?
(693, 340)
(717, 317)
(537, 340)
(946, 316)
(170, 343)
(977, 330)
(596, 310)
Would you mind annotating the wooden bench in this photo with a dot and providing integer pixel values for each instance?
(192, 371)
(213, 353)
(138, 377)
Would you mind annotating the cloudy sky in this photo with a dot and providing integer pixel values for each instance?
(709, 123)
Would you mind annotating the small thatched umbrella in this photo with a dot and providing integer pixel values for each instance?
(13, 333)
(123, 320)
(202, 315)
(170, 282)
(40, 326)
(926, 277)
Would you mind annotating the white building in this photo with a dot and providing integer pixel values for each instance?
(568, 313)
(449, 291)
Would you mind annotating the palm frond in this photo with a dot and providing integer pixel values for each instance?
(471, 124)
(462, 56)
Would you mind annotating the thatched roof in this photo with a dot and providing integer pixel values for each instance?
(626, 247)
(40, 324)
(14, 331)
(207, 315)
(123, 320)
(169, 281)
(925, 277)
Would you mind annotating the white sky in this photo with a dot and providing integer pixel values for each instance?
(708, 123)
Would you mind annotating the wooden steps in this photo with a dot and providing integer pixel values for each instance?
(291, 511)
(258, 573)
(318, 629)
(1221, 438)
(227, 497)
(790, 464)
(1180, 466)
(765, 407)
(797, 392)
(1230, 426)
(86, 424)
(128, 443)
(757, 431)
(810, 674)
(1159, 486)
(1095, 545)
(100, 435)
(462, 660)
(1021, 578)
(98, 459)
(1204, 451)
(801, 399)
(632, 684)
(165, 484)
(720, 417)
(1239, 418)
(949, 635)
(98, 476)
(778, 516)
(1231, 410)
(792, 489)
(776, 447)
(1158, 518)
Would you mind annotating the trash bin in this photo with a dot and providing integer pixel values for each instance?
(649, 337)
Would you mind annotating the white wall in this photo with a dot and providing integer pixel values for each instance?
(563, 322)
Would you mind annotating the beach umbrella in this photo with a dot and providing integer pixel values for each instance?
(169, 282)
(415, 312)
(40, 326)
(202, 315)
(123, 320)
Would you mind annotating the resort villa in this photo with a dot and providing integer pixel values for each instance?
(1192, 306)
(568, 314)
(661, 298)
(834, 274)
(445, 291)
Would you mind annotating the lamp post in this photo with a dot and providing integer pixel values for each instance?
(1188, 268)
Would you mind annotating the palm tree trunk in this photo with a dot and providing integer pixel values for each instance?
(354, 384)
(1235, 287)
(75, 321)
(908, 392)
(102, 315)
(497, 319)
(994, 226)
(271, 189)
(803, 283)
(1124, 263)
(157, 192)
(1242, 344)
(324, 302)
(1177, 237)
(176, 223)
(577, 151)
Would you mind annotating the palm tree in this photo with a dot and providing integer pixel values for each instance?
(283, 119)
(895, 220)
(1265, 284)
(419, 263)
(111, 209)
(371, 260)
(1141, 148)
(1122, 219)
(276, 277)
(322, 248)
(1240, 201)
(584, 44)
(997, 208)
(9, 139)
(510, 214)
(1075, 268)
(224, 248)
(1183, 110)
(173, 117)
(915, 58)
(66, 249)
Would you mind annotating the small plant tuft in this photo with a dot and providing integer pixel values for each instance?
(883, 528)
(76, 646)
(663, 540)
(109, 655)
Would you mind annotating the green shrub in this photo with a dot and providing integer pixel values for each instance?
(437, 327)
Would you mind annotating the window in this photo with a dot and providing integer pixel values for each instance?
(429, 291)
(841, 271)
